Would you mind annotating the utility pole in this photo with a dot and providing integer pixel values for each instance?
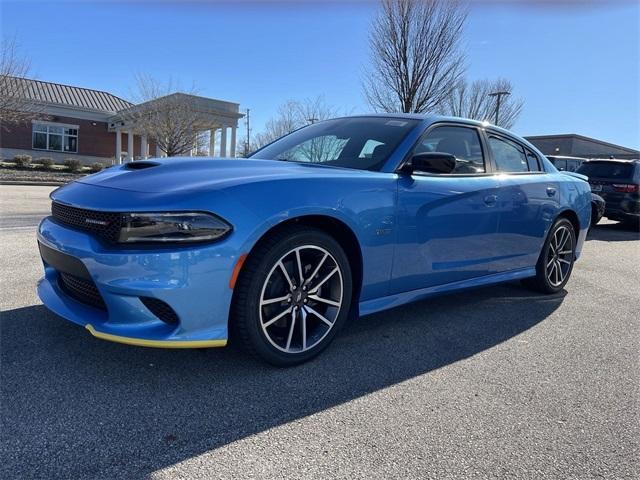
(499, 97)
(248, 141)
(312, 120)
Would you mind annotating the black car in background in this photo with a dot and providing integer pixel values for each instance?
(618, 183)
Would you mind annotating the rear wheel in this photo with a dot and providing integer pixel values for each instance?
(293, 296)
(555, 263)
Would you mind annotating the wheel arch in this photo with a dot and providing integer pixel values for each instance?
(573, 218)
(339, 230)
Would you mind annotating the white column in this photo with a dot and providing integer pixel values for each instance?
(223, 141)
(158, 151)
(233, 141)
(144, 147)
(194, 150)
(118, 145)
(129, 145)
(212, 142)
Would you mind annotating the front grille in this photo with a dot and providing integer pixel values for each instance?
(160, 309)
(105, 224)
(83, 290)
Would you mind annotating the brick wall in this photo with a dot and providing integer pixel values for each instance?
(94, 139)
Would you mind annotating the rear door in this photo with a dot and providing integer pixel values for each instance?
(446, 223)
(528, 201)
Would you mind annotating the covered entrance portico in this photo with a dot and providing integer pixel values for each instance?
(178, 116)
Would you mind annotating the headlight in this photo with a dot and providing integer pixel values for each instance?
(176, 227)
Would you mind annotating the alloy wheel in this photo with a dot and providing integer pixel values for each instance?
(559, 256)
(301, 299)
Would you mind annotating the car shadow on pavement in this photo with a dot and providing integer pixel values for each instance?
(75, 406)
(614, 232)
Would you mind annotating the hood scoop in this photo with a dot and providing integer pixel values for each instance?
(140, 164)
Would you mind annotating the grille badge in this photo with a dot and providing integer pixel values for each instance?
(95, 222)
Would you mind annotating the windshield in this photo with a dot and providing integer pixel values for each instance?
(606, 169)
(363, 143)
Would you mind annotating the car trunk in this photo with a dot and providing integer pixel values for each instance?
(611, 180)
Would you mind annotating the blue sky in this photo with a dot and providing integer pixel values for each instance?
(576, 65)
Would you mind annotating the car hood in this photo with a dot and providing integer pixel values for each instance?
(188, 173)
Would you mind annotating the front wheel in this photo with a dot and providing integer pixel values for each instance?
(293, 296)
(555, 263)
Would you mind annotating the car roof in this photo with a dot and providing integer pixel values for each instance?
(566, 157)
(432, 118)
(426, 118)
(612, 160)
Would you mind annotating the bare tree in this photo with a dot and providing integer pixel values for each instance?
(169, 117)
(473, 101)
(15, 105)
(415, 54)
(285, 121)
(292, 115)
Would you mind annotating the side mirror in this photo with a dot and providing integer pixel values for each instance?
(433, 162)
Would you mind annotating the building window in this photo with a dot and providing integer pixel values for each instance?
(57, 138)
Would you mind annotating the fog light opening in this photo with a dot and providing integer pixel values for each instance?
(161, 310)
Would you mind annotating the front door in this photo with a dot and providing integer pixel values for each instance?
(447, 224)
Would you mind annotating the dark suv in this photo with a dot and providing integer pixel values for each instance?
(618, 182)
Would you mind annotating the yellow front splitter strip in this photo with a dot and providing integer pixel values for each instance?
(142, 342)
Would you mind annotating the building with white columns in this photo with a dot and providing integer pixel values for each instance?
(95, 126)
(216, 119)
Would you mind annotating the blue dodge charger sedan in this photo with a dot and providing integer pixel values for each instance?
(344, 217)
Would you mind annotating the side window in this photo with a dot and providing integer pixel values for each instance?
(461, 142)
(572, 165)
(533, 162)
(509, 156)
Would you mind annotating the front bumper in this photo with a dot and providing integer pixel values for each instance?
(193, 281)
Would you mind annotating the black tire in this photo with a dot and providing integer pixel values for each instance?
(549, 279)
(595, 217)
(259, 274)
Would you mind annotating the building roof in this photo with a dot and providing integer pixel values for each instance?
(581, 137)
(56, 93)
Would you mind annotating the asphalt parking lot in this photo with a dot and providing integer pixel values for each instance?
(497, 382)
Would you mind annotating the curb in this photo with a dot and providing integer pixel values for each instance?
(34, 183)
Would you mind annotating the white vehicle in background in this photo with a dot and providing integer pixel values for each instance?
(566, 164)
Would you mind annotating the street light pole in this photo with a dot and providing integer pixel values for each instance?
(248, 141)
(499, 97)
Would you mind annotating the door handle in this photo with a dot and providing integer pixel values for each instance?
(490, 200)
(551, 191)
